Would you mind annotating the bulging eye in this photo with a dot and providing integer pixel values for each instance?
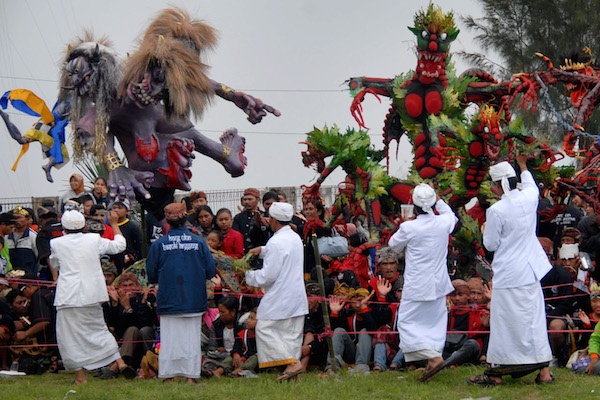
(443, 36)
(424, 34)
(486, 129)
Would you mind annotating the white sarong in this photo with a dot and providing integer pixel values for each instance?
(422, 326)
(180, 349)
(518, 333)
(279, 342)
(83, 338)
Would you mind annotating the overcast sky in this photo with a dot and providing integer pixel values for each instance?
(294, 55)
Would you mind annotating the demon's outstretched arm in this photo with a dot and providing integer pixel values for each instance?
(360, 86)
(252, 106)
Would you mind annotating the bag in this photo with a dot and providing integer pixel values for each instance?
(333, 246)
(578, 362)
(455, 341)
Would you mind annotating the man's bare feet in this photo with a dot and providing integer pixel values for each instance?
(80, 378)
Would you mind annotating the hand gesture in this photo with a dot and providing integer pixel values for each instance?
(113, 295)
(254, 107)
(336, 304)
(584, 317)
(124, 299)
(364, 303)
(383, 286)
(487, 290)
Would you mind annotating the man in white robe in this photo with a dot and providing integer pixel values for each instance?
(518, 337)
(83, 338)
(279, 330)
(423, 317)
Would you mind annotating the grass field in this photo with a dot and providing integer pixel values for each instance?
(448, 384)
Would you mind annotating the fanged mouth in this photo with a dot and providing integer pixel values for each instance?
(491, 150)
(436, 58)
(141, 94)
(85, 87)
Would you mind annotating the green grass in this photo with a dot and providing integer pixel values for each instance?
(448, 384)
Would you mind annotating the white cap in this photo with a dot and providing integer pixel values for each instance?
(501, 172)
(281, 211)
(424, 196)
(73, 220)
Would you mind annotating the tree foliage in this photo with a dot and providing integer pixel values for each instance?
(514, 30)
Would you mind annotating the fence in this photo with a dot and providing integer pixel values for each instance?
(231, 198)
(216, 198)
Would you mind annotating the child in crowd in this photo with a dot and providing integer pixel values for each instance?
(214, 240)
(233, 241)
(243, 356)
(351, 342)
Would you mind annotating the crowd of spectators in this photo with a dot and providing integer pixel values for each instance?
(362, 289)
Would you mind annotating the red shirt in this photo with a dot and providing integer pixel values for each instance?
(233, 244)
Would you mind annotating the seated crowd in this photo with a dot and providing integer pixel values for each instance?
(362, 290)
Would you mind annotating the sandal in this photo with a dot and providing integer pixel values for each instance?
(128, 372)
(108, 373)
(286, 376)
(482, 380)
(541, 382)
(377, 368)
(207, 373)
(430, 372)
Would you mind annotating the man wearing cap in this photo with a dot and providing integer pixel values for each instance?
(50, 228)
(422, 317)
(282, 309)
(518, 337)
(21, 243)
(83, 339)
(181, 263)
(132, 233)
(251, 222)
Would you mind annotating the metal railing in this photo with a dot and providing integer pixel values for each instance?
(216, 198)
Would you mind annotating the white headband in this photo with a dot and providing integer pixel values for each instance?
(424, 196)
(501, 172)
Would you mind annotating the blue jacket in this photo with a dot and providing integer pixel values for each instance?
(180, 262)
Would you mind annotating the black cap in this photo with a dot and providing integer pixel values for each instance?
(7, 218)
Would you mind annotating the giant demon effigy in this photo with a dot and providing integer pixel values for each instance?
(144, 102)
(453, 148)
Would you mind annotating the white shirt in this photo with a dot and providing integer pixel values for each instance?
(426, 241)
(77, 257)
(282, 277)
(519, 258)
